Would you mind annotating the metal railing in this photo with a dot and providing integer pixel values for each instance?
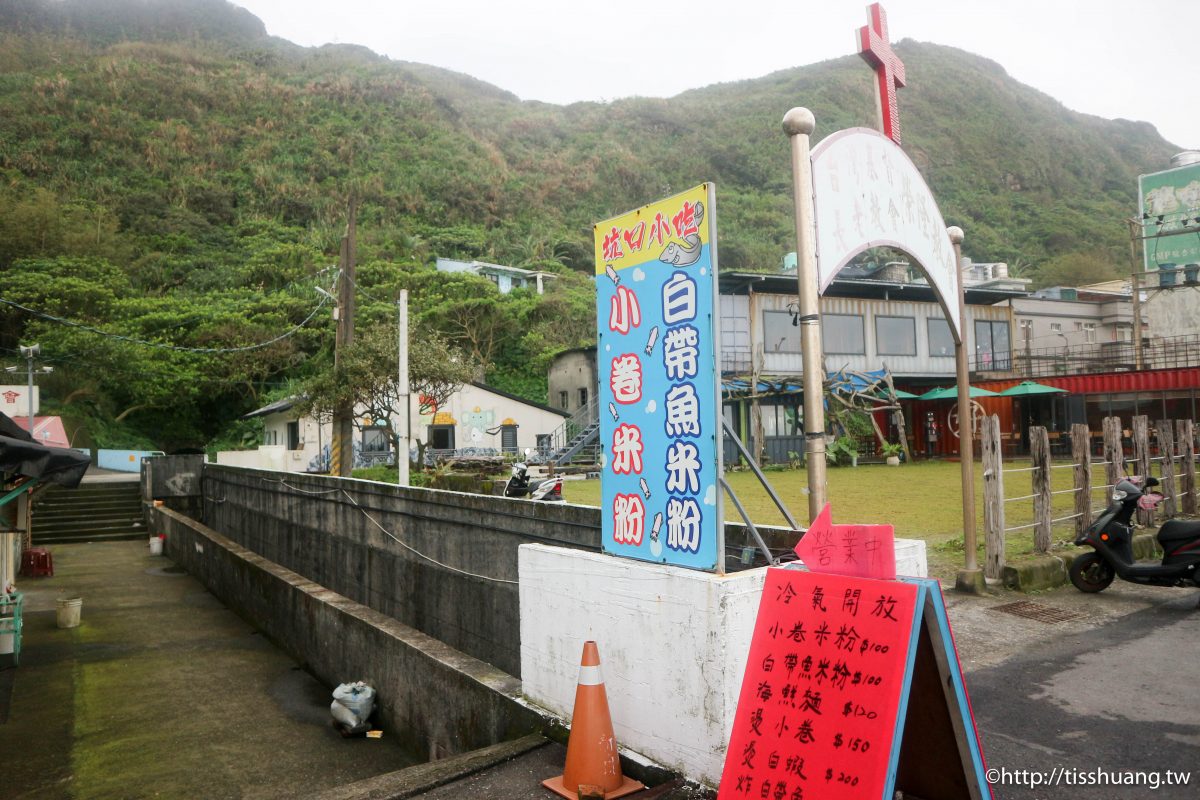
(1172, 352)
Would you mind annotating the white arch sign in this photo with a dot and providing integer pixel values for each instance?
(868, 193)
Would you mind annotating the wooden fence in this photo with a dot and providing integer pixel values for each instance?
(1171, 449)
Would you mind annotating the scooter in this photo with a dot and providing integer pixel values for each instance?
(548, 490)
(1112, 538)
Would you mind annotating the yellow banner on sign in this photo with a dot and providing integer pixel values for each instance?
(673, 231)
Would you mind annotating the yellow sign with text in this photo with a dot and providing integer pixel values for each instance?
(673, 231)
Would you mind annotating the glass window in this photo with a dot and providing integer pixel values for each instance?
(843, 334)
(941, 341)
(992, 349)
(583, 397)
(293, 435)
(1056, 327)
(375, 440)
(563, 401)
(1089, 332)
(779, 334)
(896, 336)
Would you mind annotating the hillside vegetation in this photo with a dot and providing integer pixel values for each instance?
(170, 173)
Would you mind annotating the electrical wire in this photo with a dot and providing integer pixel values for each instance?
(386, 532)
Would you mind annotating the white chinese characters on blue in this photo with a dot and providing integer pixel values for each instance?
(660, 424)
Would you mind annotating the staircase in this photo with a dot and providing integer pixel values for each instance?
(92, 512)
(578, 438)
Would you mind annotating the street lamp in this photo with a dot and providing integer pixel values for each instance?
(29, 352)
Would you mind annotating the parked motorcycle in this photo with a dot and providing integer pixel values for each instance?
(548, 490)
(1111, 536)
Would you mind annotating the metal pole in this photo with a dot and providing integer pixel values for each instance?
(1135, 279)
(29, 352)
(970, 579)
(402, 439)
(798, 123)
(343, 424)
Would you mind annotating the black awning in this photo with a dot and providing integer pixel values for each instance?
(20, 455)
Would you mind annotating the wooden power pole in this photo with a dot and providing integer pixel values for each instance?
(342, 448)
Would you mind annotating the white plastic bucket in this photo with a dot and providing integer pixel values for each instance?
(155, 546)
(69, 611)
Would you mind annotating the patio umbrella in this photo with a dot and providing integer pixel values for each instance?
(951, 392)
(1027, 388)
(900, 395)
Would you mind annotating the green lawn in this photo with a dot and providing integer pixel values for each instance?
(921, 499)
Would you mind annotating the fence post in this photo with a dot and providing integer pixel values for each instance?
(1166, 448)
(1186, 438)
(1039, 452)
(1081, 456)
(993, 497)
(1114, 451)
(1141, 460)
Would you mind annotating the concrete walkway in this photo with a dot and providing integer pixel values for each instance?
(162, 692)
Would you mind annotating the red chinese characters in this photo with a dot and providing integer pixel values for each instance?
(634, 236)
(685, 221)
(625, 378)
(660, 231)
(627, 450)
(611, 246)
(629, 519)
(820, 699)
(624, 311)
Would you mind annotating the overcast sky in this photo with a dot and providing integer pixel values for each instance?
(1112, 58)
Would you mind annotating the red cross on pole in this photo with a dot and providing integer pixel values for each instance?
(889, 69)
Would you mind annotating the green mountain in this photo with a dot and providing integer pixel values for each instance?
(168, 172)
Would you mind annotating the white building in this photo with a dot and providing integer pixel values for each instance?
(505, 278)
(477, 419)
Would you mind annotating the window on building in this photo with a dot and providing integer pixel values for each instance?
(583, 397)
(1026, 330)
(896, 336)
(564, 400)
(992, 345)
(941, 341)
(441, 437)
(271, 437)
(1124, 334)
(293, 435)
(1089, 332)
(375, 439)
(508, 438)
(1056, 327)
(843, 334)
(779, 334)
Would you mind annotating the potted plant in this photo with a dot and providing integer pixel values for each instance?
(892, 451)
(843, 449)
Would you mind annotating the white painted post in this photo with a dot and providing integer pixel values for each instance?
(404, 422)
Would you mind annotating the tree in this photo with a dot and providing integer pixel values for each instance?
(1078, 269)
(367, 377)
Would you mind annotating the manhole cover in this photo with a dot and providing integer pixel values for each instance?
(1036, 611)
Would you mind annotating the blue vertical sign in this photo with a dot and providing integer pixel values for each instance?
(660, 400)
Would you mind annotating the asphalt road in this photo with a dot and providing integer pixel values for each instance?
(1105, 704)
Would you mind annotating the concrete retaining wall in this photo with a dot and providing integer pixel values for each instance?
(336, 532)
(437, 699)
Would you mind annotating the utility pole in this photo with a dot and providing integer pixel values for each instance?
(30, 352)
(1135, 280)
(342, 448)
(404, 432)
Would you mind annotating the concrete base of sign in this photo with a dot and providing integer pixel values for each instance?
(673, 645)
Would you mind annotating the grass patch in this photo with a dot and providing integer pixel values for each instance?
(921, 500)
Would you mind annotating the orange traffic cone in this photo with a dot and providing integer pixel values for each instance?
(592, 759)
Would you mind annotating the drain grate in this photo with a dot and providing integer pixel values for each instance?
(1036, 611)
